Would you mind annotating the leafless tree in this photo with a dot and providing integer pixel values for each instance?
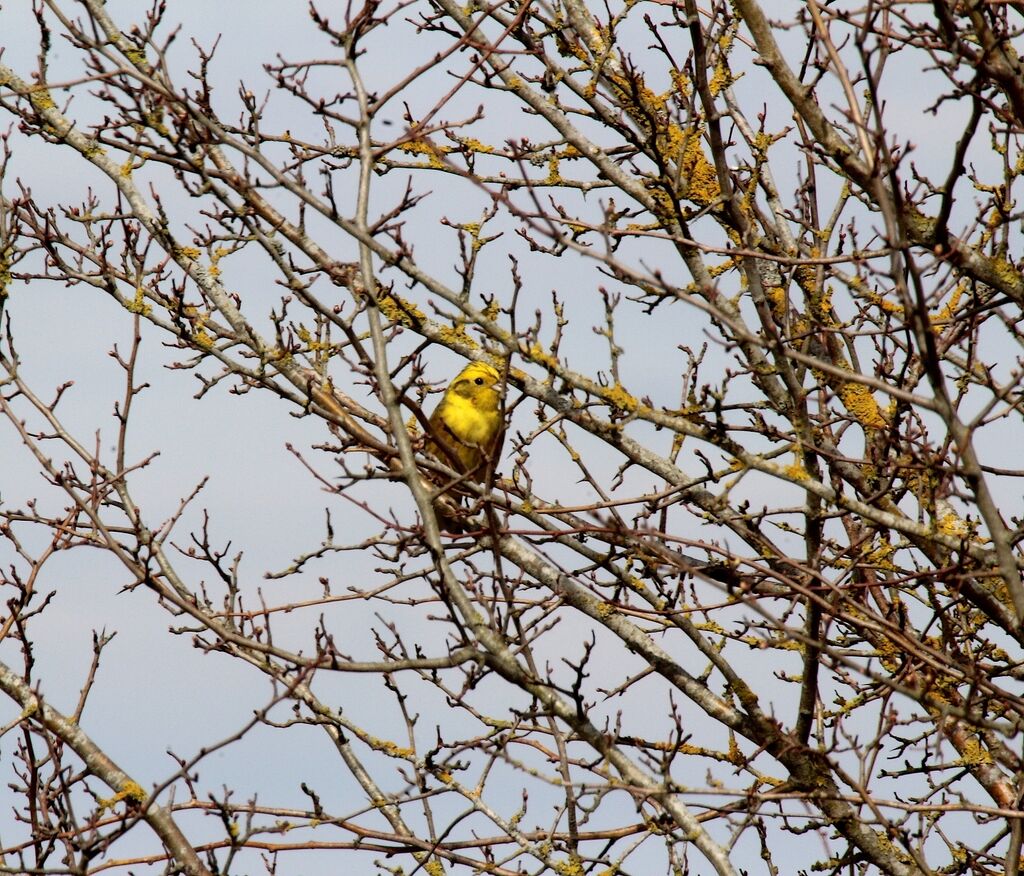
(743, 592)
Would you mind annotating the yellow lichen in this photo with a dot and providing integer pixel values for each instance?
(859, 401)
(137, 57)
(492, 310)
(572, 867)
(888, 306)
(138, 303)
(952, 525)
(390, 748)
(425, 147)
(945, 313)
(1005, 273)
(155, 120)
(131, 791)
(456, 335)
(881, 557)
(215, 258)
(41, 99)
(633, 583)
(618, 397)
(553, 177)
(720, 79)
(475, 145)
(776, 297)
(701, 179)
(279, 355)
(202, 338)
(819, 300)
(974, 754)
(5, 271)
(434, 867)
(538, 354)
(398, 310)
(681, 82)
(795, 471)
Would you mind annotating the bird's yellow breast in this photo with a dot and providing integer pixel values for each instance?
(468, 421)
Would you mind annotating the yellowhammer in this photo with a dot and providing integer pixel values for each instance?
(468, 422)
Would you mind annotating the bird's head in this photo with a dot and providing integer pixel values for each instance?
(478, 382)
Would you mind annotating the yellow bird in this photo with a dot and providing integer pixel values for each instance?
(469, 422)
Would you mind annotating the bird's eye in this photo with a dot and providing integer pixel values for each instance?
(479, 381)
